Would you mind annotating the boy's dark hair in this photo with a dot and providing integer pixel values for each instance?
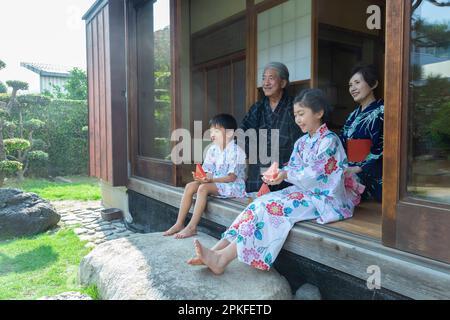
(223, 120)
(368, 71)
(316, 100)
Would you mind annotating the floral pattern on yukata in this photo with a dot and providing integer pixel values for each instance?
(220, 163)
(320, 191)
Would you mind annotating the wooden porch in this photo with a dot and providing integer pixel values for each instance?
(349, 246)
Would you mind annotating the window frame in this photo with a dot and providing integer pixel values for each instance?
(409, 224)
(140, 166)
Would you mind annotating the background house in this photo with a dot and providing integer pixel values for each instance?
(49, 75)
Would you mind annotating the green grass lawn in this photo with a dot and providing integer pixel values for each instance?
(81, 188)
(43, 265)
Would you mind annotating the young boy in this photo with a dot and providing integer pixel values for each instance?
(224, 166)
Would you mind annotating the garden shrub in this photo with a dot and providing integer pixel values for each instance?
(67, 142)
(9, 168)
(58, 127)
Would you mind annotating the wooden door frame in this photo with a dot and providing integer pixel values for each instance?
(145, 167)
(400, 210)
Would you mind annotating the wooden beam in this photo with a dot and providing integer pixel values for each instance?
(396, 26)
(252, 54)
(314, 44)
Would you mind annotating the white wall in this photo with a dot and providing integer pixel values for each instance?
(434, 69)
(115, 197)
(45, 83)
(284, 35)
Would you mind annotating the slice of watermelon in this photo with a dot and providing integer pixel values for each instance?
(272, 172)
(264, 190)
(199, 172)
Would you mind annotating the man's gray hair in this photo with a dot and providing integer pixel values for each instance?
(283, 71)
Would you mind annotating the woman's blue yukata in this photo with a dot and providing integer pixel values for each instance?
(368, 124)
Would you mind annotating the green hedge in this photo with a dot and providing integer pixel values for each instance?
(60, 134)
(67, 143)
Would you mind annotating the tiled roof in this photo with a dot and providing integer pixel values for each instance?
(44, 69)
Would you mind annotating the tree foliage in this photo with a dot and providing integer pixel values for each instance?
(75, 87)
(17, 85)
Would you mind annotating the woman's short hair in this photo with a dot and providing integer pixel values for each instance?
(316, 100)
(368, 71)
(223, 120)
(281, 68)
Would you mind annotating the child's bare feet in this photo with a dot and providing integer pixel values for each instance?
(174, 229)
(186, 233)
(209, 257)
(196, 261)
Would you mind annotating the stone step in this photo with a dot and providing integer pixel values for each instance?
(153, 267)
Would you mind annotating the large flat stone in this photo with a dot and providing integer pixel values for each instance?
(153, 267)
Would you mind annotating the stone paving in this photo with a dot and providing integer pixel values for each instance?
(88, 223)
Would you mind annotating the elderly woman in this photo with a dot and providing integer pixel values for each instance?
(274, 111)
(364, 130)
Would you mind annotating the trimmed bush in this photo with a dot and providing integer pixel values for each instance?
(17, 85)
(9, 168)
(14, 145)
(38, 163)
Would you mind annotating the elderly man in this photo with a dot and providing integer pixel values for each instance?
(274, 111)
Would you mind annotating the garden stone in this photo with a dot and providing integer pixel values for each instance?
(80, 231)
(91, 226)
(94, 208)
(104, 228)
(103, 234)
(308, 292)
(111, 237)
(87, 237)
(72, 222)
(68, 218)
(25, 214)
(88, 221)
(68, 296)
(153, 267)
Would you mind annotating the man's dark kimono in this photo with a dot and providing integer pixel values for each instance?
(260, 116)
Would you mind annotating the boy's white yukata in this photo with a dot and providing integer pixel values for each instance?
(320, 191)
(221, 163)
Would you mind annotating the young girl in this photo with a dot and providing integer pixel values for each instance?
(319, 191)
(224, 166)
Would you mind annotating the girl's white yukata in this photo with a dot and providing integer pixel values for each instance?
(221, 163)
(320, 191)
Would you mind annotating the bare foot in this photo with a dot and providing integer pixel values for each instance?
(175, 228)
(209, 257)
(195, 262)
(186, 233)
